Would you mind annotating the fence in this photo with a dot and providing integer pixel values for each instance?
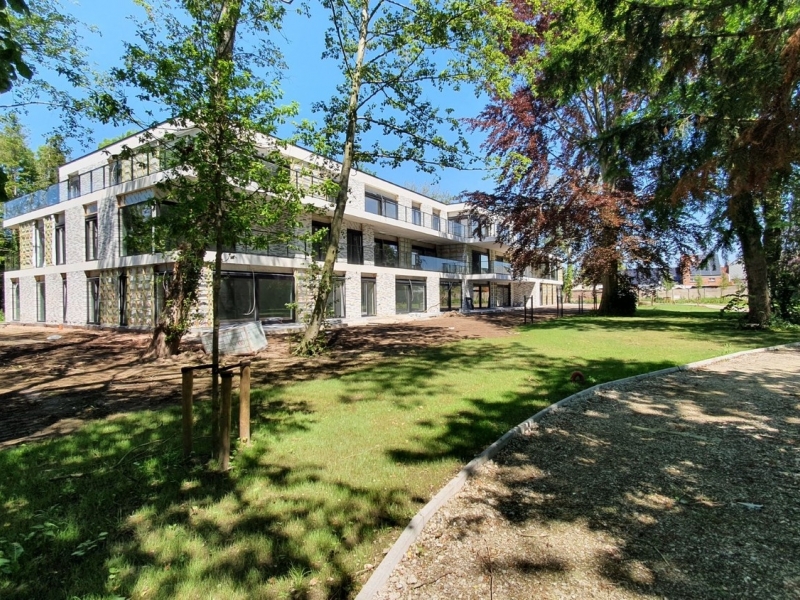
(220, 428)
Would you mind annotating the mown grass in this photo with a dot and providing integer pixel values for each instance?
(336, 468)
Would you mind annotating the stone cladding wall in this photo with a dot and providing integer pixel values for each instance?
(385, 294)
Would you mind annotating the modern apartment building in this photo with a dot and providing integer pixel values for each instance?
(399, 253)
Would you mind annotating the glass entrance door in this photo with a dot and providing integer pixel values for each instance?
(480, 295)
(449, 296)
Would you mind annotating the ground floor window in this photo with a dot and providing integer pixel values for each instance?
(64, 297)
(450, 295)
(93, 300)
(336, 299)
(409, 296)
(15, 297)
(480, 295)
(41, 312)
(368, 308)
(123, 300)
(503, 295)
(256, 297)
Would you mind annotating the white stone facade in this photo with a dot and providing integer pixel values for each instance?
(423, 253)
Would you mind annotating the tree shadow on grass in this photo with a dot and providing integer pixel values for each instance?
(693, 486)
(701, 325)
(177, 530)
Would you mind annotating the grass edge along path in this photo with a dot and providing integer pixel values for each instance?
(337, 467)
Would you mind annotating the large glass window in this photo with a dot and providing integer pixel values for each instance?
(123, 299)
(409, 296)
(380, 205)
(368, 298)
(93, 300)
(416, 215)
(38, 243)
(61, 240)
(336, 299)
(480, 295)
(449, 296)
(64, 297)
(41, 312)
(91, 231)
(135, 229)
(386, 253)
(248, 297)
(355, 247)
(274, 293)
(480, 262)
(503, 295)
(74, 186)
(417, 252)
(320, 248)
(15, 297)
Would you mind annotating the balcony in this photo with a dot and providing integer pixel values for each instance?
(387, 208)
(116, 173)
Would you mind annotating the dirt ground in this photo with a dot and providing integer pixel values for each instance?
(52, 380)
(682, 486)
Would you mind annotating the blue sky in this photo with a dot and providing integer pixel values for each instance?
(308, 79)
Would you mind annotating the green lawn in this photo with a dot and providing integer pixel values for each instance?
(336, 469)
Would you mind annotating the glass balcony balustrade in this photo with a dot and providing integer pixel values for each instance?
(116, 173)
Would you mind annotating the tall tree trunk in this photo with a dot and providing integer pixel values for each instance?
(308, 344)
(743, 217)
(773, 240)
(226, 36)
(610, 281)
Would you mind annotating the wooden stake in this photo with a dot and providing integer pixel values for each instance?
(187, 382)
(244, 403)
(225, 421)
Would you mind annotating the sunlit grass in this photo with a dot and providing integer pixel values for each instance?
(336, 468)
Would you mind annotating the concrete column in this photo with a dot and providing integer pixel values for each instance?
(385, 293)
(77, 297)
(432, 293)
(54, 292)
(352, 292)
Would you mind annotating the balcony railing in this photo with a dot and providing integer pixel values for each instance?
(439, 265)
(115, 173)
(415, 216)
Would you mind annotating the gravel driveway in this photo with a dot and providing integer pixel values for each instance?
(682, 486)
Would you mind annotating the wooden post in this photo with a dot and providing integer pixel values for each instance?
(244, 403)
(187, 382)
(225, 421)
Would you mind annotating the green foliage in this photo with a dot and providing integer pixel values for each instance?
(12, 62)
(569, 282)
(624, 300)
(115, 138)
(59, 78)
(229, 183)
(390, 57)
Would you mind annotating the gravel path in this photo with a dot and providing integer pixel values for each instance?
(682, 486)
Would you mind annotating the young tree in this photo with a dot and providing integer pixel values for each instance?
(386, 51)
(227, 183)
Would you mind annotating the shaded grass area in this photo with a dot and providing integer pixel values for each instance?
(336, 468)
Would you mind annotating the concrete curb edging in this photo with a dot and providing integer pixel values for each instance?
(412, 531)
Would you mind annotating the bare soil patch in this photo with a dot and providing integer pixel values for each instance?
(683, 486)
(51, 386)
